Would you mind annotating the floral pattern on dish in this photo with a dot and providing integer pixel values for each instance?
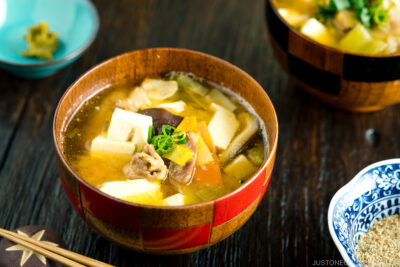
(374, 193)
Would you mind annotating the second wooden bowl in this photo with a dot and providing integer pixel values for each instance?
(354, 82)
(154, 229)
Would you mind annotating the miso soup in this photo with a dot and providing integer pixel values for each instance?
(172, 140)
(366, 27)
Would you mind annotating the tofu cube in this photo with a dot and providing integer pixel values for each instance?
(138, 191)
(101, 144)
(126, 125)
(175, 200)
(222, 126)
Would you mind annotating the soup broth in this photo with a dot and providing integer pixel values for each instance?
(220, 167)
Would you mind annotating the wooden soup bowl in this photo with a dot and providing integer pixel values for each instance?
(156, 229)
(349, 81)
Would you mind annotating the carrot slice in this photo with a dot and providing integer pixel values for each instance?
(188, 124)
(209, 173)
(202, 126)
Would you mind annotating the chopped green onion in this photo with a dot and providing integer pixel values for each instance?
(150, 134)
(380, 16)
(366, 11)
(168, 138)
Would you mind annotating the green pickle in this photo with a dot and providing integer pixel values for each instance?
(41, 43)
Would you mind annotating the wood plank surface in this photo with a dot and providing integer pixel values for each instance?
(320, 148)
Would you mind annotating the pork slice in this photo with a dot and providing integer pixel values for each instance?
(146, 164)
(183, 174)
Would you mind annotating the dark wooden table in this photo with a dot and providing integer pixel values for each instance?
(320, 148)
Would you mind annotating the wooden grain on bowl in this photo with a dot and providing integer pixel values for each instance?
(349, 81)
(155, 229)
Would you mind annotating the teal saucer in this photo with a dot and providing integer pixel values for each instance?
(75, 21)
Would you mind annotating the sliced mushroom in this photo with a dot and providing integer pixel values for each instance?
(249, 129)
(162, 117)
(183, 174)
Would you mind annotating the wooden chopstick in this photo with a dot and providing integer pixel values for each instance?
(58, 254)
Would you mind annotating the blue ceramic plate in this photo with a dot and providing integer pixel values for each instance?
(374, 193)
(75, 21)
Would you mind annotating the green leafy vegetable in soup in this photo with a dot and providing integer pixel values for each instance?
(41, 43)
(174, 140)
(358, 26)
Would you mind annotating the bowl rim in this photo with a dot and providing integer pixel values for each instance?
(346, 189)
(72, 54)
(267, 161)
(329, 48)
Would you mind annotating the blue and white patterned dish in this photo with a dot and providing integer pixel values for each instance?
(374, 193)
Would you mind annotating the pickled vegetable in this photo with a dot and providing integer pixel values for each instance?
(41, 43)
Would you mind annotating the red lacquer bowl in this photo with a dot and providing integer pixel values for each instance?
(153, 229)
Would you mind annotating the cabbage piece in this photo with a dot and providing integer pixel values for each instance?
(218, 97)
(188, 83)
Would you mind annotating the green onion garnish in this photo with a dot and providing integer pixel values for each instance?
(168, 138)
